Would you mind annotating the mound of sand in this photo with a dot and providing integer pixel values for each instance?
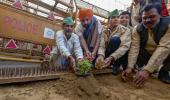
(71, 87)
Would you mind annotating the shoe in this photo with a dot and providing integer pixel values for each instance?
(115, 70)
(164, 76)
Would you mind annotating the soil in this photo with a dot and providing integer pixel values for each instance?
(71, 87)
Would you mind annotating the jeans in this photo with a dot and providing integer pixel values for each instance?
(113, 45)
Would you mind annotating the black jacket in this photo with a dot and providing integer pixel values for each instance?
(159, 30)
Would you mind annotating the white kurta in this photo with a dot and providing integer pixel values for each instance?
(65, 48)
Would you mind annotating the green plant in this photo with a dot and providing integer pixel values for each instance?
(84, 67)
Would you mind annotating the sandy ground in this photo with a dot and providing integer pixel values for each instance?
(71, 87)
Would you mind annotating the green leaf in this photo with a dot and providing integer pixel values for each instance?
(84, 66)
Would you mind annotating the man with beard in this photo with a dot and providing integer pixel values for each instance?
(68, 48)
(89, 31)
(150, 46)
(114, 44)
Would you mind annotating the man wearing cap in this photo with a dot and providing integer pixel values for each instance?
(68, 48)
(89, 31)
(150, 46)
(114, 44)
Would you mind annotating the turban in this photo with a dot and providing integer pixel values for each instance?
(84, 12)
(68, 20)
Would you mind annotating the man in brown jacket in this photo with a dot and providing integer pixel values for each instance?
(114, 44)
(150, 46)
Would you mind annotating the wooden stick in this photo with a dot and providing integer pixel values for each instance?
(102, 71)
(20, 59)
(21, 55)
(31, 78)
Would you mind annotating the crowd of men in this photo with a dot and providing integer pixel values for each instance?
(137, 41)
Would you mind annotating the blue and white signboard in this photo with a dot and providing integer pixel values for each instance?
(48, 33)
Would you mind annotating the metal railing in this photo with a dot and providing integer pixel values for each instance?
(97, 10)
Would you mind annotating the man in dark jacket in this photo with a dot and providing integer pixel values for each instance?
(150, 46)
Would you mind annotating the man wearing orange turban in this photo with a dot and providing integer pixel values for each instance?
(89, 31)
(85, 13)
